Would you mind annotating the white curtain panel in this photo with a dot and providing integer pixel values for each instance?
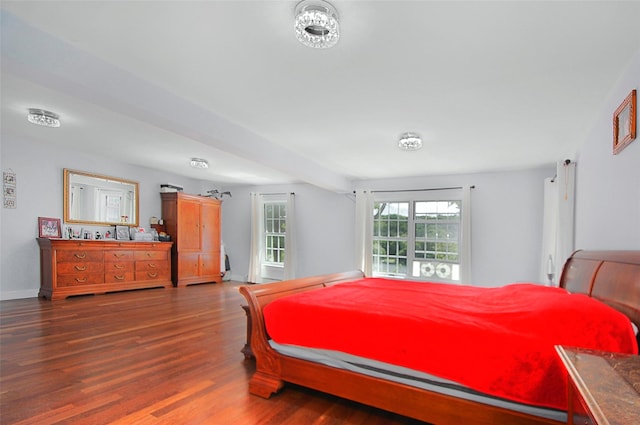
(290, 259)
(364, 231)
(465, 251)
(255, 256)
(558, 222)
(549, 225)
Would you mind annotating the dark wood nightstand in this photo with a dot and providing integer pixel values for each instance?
(604, 388)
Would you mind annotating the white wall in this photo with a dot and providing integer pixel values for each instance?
(325, 229)
(506, 221)
(506, 215)
(607, 185)
(38, 169)
(506, 207)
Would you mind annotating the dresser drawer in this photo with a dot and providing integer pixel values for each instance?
(80, 279)
(79, 268)
(118, 255)
(74, 255)
(118, 266)
(152, 265)
(151, 255)
(118, 276)
(164, 274)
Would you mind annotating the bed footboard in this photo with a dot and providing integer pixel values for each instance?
(267, 379)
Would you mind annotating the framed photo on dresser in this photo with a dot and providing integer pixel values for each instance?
(49, 227)
(122, 233)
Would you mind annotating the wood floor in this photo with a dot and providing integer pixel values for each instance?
(159, 356)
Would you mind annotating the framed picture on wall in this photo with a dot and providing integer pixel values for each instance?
(49, 227)
(122, 233)
(624, 123)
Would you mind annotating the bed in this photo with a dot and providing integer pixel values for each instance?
(612, 278)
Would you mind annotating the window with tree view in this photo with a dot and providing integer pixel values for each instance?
(417, 239)
(275, 225)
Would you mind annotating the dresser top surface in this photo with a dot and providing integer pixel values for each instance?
(101, 243)
(609, 383)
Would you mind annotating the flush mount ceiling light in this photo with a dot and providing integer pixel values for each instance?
(199, 163)
(410, 142)
(42, 117)
(317, 24)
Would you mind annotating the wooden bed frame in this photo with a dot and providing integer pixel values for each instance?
(612, 277)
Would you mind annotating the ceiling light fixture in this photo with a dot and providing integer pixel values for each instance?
(42, 117)
(410, 142)
(199, 163)
(317, 24)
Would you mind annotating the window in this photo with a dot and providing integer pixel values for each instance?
(390, 237)
(275, 227)
(273, 231)
(437, 240)
(419, 238)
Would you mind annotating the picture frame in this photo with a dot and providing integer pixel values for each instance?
(624, 123)
(49, 228)
(122, 233)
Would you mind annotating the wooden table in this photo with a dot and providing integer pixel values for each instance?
(604, 388)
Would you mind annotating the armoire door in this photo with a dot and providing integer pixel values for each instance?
(210, 215)
(189, 223)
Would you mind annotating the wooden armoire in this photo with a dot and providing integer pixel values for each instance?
(193, 222)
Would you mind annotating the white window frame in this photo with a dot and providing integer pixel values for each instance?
(259, 270)
(271, 270)
(270, 233)
(411, 197)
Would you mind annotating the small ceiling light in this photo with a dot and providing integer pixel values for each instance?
(199, 163)
(410, 142)
(317, 24)
(42, 117)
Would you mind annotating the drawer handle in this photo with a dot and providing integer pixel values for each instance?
(80, 256)
(81, 279)
(118, 277)
(118, 254)
(118, 266)
(80, 268)
(153, 275)
(149, 254)
(152, 265)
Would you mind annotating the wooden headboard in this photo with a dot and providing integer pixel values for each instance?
(612, 277)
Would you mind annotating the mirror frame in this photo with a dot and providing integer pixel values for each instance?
(66, 179)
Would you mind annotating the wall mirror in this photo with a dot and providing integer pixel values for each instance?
(101, 200)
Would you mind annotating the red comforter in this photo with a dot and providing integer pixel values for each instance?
(498, 341)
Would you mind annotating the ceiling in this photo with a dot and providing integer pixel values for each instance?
(489, 85)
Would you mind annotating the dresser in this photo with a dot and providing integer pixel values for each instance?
(604, 388)
(76, 267)
(194, 225)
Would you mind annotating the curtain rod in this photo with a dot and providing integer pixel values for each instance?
(278, 193)
(418, 190)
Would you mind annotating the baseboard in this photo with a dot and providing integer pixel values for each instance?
(237, 277)
(17, 295)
